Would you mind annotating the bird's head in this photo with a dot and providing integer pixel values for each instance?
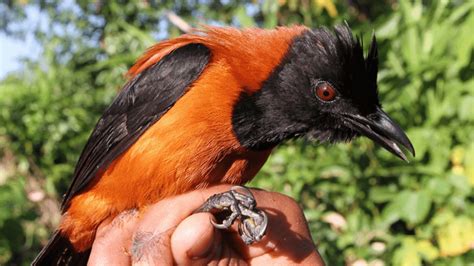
(324, 88)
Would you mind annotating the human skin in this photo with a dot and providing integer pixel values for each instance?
(169, 233)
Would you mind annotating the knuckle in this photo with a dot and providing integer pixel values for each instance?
(288, 203)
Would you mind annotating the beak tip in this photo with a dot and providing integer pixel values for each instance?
(409, 147)
(395, 149)
(412, 150)
(402, 156)
(384, 131)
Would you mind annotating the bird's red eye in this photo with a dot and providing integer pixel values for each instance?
(325, 91)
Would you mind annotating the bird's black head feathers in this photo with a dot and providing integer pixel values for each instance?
(293, 101)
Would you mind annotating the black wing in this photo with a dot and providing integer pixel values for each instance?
(142, 102)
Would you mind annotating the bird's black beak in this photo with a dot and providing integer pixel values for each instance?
(380, 128)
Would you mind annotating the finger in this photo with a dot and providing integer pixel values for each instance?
(195, 241)
(152, 239)
(112, 239)
(287, 229)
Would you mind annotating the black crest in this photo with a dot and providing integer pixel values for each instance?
(342, 62)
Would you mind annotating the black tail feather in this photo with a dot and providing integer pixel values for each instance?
(59, 251)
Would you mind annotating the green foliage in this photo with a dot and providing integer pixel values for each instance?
(362, 203)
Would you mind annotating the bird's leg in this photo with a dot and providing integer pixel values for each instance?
(238, 204)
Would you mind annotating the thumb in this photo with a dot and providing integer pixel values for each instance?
(195, 241)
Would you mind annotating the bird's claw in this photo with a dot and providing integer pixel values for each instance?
(240, 203)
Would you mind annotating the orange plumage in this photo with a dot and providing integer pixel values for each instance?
(192, 146)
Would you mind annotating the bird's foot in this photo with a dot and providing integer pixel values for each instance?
(237, 204)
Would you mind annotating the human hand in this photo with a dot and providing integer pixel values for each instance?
(169, 233)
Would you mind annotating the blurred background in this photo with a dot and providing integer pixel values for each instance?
(62, 62)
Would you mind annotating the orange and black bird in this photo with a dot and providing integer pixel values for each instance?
(209, 107)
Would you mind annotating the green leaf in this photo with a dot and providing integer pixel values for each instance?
(439, 188)
(427, 250)
(382, 194)
(466, 109)
(416, 206)
(407, 254)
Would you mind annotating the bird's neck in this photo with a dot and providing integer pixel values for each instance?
(258, 124)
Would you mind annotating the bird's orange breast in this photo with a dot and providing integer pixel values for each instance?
(192, 146)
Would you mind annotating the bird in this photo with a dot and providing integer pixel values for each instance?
(209, 107)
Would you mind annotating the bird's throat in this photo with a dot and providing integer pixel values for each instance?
(258, 125)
